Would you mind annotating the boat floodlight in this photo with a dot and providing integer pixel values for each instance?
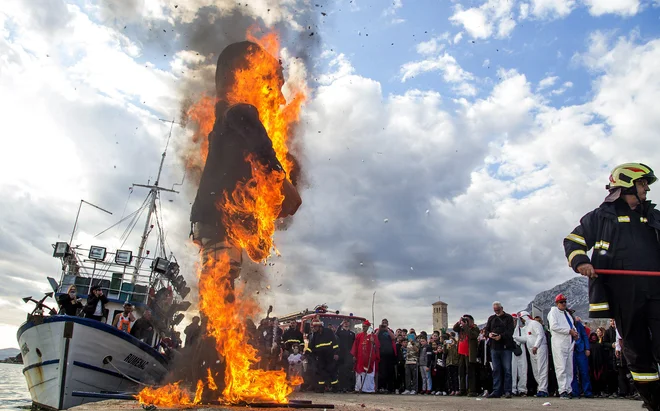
(123, 257)
(97, 253)
(160, 265)
(61, 249)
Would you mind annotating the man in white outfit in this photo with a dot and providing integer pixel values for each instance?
(533, 335)
(519, 362)
(563, 341)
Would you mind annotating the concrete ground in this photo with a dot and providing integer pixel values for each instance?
(366, 402)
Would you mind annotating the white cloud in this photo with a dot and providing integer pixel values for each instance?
(547, 82)
(620, 7)
(486, 63)
(561, 90)
(548, 9)
(432, 46)
(458, 37)
(494, 17)
(451, 70)
(524, 11)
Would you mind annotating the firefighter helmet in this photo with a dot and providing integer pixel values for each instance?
(624, 175)
(560, 297)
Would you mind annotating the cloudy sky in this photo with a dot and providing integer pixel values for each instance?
(447, 146)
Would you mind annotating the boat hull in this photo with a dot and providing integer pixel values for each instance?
(63, 354)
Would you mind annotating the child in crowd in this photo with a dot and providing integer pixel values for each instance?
(401, 349)
(412, 360)
(438, 374)
(451, 348)
(425, 363)
(295, 365)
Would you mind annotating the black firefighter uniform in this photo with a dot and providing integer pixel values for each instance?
(624, 239)
(324, 346)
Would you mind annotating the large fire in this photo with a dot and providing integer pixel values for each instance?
(250, 212)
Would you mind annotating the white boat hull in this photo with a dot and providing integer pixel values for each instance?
(64, 355)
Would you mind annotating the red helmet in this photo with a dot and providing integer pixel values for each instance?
(366, 323)
(560, 297)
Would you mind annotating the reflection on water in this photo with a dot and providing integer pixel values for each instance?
(14, 394)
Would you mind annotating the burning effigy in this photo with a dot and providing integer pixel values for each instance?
(246, 184)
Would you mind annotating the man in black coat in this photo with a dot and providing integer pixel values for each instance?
(346, 339)
(499, 329)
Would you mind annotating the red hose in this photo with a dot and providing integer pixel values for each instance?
(630, 272)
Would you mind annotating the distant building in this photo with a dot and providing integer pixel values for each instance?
(440, 320)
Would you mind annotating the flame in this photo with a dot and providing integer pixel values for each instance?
(210, 381)
(260, 85)
(249, 214)
(170, 395)
(226, 322)
(202, 113)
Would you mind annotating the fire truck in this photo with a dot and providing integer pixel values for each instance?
(330, 319)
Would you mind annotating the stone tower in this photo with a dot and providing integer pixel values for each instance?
(440, 321)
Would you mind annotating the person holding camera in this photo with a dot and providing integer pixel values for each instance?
(499, 330)
(69, 302)
(468, 334)
(96, 301)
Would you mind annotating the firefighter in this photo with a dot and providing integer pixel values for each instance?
(624, 233)
(324, 347)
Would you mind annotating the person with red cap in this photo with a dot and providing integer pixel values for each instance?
(324, 347)
(624, 232)
(563, 338)
(366, 350)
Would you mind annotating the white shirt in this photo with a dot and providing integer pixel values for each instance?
(295, 359)
(98, 311)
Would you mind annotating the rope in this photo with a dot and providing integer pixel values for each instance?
(126, 376)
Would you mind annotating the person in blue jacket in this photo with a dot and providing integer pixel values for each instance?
(581, 362)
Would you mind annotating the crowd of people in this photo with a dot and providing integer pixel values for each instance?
(512, 355)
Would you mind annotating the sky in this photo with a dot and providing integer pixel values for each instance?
(447, 147)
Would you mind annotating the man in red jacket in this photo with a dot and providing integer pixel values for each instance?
(366, 351)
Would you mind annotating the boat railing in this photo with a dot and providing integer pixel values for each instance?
(118, 282)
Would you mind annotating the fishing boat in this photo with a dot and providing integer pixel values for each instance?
(71, 360)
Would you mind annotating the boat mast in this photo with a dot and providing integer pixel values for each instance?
(153, 194)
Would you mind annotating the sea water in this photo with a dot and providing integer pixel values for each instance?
(14, 394)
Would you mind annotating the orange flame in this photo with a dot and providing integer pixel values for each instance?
(170, 395)
(260, 85)
(249, 214)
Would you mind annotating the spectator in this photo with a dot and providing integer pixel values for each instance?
(387, 363)
(96, 301)
(451, 361)
(412, 359)
(598, 363)
(468, 334)
(192, 332)
(581, 353)
(533, 336)
(518, 361)
(485, 370)
(425, 362)
(143, 328)
(366, 351)
(563, 341)
(401, 364)
(123, 320)
(346, 338)
(500, 332)
(438, 374)
(177, 340)
(609, 341)
(295, 364)
(70, 303)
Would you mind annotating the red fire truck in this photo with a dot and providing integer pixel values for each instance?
(331, 319)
